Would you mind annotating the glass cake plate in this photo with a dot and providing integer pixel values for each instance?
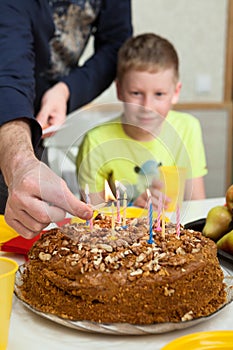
(123, 328)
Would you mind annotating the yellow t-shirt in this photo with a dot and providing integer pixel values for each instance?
(108, 153)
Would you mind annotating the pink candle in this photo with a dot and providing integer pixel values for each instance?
(113, 216)
(178, 221)
(159, 212)
(91, 224)
(163, 223)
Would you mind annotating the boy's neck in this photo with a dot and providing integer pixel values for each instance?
(138, 134)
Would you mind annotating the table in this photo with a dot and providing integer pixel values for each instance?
(29, 331)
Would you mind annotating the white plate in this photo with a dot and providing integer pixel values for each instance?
(123, 328)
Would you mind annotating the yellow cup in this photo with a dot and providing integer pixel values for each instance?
(8, 269)
(212, 340)
(173, 179)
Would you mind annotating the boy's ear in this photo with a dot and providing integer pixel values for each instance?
(176, 95)
(118, 90)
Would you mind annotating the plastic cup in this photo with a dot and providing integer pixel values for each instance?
(8, 269)
(213, 340)
(173, 179)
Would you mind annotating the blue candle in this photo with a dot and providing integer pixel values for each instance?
(150, 215)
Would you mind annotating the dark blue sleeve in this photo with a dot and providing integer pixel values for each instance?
(24, 31)
(113, 27)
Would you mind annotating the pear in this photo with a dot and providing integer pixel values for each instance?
(226, 242)
(217, 222)
(229, 198)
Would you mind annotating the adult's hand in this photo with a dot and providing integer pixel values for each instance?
(54, 106)
(37, 196)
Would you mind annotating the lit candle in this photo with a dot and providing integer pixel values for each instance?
(178, 221)
(159, 212)
(108, 193)
(109, 198)
(88, 201)
(113, 216)
(163, 223)
(118, 204)
(150, 217)
(124, 208)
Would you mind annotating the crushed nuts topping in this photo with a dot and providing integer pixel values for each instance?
(127, 248)
(188, 316)
(44, 257)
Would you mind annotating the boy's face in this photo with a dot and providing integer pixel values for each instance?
(147, 95)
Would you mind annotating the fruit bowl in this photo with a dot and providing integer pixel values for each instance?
(198, 225)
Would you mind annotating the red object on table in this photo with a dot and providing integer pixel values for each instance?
(21, 245)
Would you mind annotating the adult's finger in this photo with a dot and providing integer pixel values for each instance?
(61, 197)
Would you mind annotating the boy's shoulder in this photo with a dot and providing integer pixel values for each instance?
(178, 118)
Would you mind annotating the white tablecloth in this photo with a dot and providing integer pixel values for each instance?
(29, 331)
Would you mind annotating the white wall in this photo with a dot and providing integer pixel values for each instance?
(198, 31)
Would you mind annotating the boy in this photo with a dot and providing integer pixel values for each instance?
(148, 131)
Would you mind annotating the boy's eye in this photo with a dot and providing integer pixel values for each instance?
(135, 93)
(159, 94)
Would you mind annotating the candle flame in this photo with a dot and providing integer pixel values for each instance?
(148, 193)
(108, 193)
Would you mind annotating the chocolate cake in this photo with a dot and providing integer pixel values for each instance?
(112, 276)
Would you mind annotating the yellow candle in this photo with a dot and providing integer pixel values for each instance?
(117, 184)
(163, 223)
(124, 208)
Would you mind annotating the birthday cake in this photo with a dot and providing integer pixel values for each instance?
(117, 276)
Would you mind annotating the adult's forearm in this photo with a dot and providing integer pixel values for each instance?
(15, 147)
(36, 195)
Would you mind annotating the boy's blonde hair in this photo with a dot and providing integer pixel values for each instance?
(147, 52)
